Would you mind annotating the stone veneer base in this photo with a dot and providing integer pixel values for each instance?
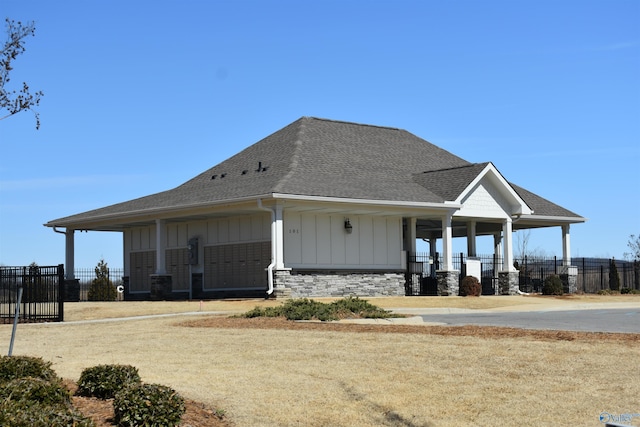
(306, 284)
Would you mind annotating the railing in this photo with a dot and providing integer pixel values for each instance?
(594, 274)
(42, 296)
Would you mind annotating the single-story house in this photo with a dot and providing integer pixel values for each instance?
(318, 208)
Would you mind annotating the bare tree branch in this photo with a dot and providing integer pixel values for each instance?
(11, 100)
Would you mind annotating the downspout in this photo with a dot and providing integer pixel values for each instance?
(273, 255)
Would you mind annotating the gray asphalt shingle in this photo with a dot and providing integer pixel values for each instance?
(318, 157)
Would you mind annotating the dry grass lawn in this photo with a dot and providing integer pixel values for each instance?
(265, 374)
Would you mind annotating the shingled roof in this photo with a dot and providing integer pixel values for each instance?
(318, 157)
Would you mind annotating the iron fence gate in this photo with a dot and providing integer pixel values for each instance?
(42, 293)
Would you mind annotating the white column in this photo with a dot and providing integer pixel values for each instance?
(566, 245)
(161, 244)
(433, 251)
(447, 243)
(497, 250)
(278, 237)
(507, 234)
(471, 238)
(410, 238)
(69, 254)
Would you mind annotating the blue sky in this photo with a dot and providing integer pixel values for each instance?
(141, 96)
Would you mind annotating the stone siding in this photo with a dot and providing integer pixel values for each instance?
(296, 284)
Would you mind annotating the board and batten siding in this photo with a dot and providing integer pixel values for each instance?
(219, 231)
(315, 241)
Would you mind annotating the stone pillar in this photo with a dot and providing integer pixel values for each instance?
(569, 277)
(508, 282)
(448, 282)
(72, 290)
(161, 287)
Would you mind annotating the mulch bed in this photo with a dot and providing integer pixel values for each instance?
(101, 411)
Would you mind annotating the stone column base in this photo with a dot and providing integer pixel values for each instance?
(448, 282)
(72, 290)
(569, 277)
(509, 282)
(161, 287)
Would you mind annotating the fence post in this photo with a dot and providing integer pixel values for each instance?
(61, 291)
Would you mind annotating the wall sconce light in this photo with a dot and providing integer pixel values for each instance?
(348, 228)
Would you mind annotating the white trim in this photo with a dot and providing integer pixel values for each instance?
(393, 203)
(555, 219)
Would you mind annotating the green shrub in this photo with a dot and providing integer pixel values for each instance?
(101, 288)
(307, 309)
(263, 312)
(148, 405)
(31, 390)
(104, 381)
(552, 286)
(360, 307)
(35, 414)
(470, 287)
(629, 291)
(13, 367)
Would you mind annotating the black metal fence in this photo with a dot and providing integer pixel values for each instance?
(42, 293)
(594, 274)
(86, 276)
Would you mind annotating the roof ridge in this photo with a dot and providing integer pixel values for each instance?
(293, 159)
(455, 167)
(352, 123)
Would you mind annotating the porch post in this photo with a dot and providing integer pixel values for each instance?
(569, 273)
(433, 253)
(471, 238)
(278, 238)
(447, 243)
(161, 243)
(448, 278)
(566, 245)
(507, 234)
(497, 254)
(508, 278)
(69, 254)
(410, 237)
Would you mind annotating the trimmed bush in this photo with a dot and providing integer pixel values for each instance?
(552, 286)
(35, 414)
(470, 287)
(355, 306)
(104, 381)
(32, 390)
(148, 405)
(13, 367)
(307, 309)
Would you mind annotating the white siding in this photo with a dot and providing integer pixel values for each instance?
(485, 201)
(320, 241)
